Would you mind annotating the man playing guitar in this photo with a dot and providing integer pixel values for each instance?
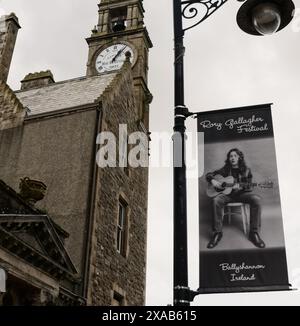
(241, 191)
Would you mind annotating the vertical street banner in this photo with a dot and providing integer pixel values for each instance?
(242, 245)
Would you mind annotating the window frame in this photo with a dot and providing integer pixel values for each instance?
(122, 228)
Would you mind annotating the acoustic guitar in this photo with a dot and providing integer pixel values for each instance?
(228, 183)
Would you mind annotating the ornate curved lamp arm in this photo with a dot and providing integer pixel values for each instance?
(191, 9)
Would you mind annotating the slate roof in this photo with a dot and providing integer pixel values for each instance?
(65, 94)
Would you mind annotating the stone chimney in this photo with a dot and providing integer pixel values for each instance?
(37, 80)
(9, 26)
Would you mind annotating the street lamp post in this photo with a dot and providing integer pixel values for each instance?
(182, 294)
(181, 289)
(256, 17)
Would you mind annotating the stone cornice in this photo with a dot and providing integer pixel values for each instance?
(106, 36)
(51, 256)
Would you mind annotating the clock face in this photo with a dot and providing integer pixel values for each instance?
(113, 57)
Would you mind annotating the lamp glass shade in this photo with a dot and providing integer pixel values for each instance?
(266, 18)
(263, 17)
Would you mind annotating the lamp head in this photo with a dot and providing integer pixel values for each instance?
(264, 17)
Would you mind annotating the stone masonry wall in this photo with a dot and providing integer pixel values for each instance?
(58, 151)
(109, 269)
(12, 112)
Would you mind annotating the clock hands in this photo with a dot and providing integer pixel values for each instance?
(118, 54)
(112, 57)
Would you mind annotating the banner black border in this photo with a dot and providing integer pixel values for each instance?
(266, 106)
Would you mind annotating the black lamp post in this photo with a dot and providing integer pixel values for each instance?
(256, 17)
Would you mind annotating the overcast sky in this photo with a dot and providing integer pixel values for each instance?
(224, 68)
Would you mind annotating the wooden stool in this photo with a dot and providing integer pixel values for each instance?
(242, 210)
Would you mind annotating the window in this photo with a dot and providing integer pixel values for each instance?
(118, 19)
(118, 296)
(122, 229)
(118, 299)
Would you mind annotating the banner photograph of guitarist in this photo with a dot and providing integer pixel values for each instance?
(233, 183)
(241, 230)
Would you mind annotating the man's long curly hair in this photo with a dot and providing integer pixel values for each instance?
(242, 163)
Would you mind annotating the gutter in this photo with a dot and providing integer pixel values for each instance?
(91, 214)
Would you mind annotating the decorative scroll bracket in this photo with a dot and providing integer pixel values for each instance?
(191, 9)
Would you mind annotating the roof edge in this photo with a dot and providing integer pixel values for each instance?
(66, 81)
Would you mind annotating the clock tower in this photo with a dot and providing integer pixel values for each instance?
(121, 29)
(91, 210)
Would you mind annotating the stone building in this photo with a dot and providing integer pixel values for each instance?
(72, 233)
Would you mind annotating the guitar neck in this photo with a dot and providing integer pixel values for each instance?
(242, 184)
